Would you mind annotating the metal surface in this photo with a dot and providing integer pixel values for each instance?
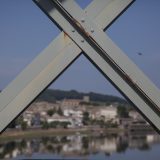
(108, 58)
(48, 65)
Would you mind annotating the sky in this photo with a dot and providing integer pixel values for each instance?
(25, 31)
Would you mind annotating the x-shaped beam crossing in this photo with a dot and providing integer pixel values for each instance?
(82, 31)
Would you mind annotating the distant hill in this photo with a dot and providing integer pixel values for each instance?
(50, 95)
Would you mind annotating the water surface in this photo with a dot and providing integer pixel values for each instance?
(80, 146)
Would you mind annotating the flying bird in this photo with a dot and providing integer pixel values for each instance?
(140, 54)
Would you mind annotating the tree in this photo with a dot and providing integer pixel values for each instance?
(122, 111)
(86, 118)
(12, 124)
(50, 112)
(45, 125)
(65, 124)
(59, 111)
(16, 122)
(19, 120)
(101, 123)
(54, 124)
(24, 125)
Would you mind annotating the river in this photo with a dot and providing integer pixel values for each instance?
(82, 146)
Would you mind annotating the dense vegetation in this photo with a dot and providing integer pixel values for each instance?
(51, 95)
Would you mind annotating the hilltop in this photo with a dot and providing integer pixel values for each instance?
(51, 96)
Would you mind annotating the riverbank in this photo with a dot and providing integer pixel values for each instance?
(18, 134)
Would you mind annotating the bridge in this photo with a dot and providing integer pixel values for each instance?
(82, 31)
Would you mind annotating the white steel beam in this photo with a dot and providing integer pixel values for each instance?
(108, 58)
(109, 10)
(47, 66)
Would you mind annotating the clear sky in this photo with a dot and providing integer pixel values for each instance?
(25, 31)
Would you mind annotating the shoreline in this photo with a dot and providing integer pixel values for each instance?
(38, 133)
(17, 134)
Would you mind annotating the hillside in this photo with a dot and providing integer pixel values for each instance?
(51, 95)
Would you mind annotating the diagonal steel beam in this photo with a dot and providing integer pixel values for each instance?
(49, 65)
(122, 72)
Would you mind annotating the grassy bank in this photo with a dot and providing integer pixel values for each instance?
(14, 134)
(40, 133)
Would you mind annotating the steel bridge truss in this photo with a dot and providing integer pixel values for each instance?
(82, 31)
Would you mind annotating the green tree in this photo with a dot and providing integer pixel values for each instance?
(19, 120)
(86, 118)
(12, 124)
(64, 139)
(54, 124)
(122, 111)
(45, 125)
(65, 124)
(50, 112)
(24, 125)
(59, 111)
(16, 122)
(101, 123)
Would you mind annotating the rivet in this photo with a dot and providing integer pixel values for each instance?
(82, 20)
(82, 40)
(73, 30)
(92, 30)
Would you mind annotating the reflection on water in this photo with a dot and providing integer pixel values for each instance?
(78, 145)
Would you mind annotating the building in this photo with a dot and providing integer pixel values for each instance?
(72, 112)
(57, 117)
(108, 113)
(135, 116)
(76, 121)
(42, 106)
(70, 102)
(27, 117)
(94, 113)
(74, 102)
(86, 99)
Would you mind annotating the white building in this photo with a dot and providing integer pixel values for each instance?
(109, 112)
(27, 117)
(76, 121)
(70, 112)
(58, 118)
(135, 115)
(94, 113)
(86, 99)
